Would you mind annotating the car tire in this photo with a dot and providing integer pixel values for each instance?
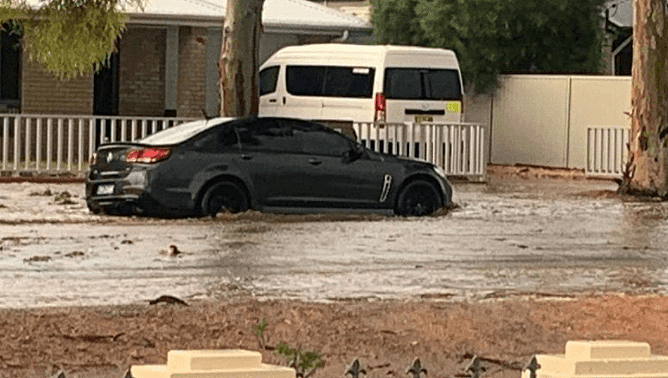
(418, 198)
(223, 196)
(95, 209)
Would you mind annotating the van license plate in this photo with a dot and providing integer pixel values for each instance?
(105, 190)
(422, 119)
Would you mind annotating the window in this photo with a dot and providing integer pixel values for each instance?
(305, 80)
(318, 141)
(268, 80)
(330, 81)
(349, 82)
(267, 135)
(10, 70)
(422, 84)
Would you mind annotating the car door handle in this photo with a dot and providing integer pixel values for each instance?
(273, 100)
(246, 157)
(314, 162)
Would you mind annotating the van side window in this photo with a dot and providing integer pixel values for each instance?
(330, 81)
(268, 80)
(305, 80)
(422, 84)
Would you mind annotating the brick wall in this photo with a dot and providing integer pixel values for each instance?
(192, 72)
(43, 93)
(141, 83)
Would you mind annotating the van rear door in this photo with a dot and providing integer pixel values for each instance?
(422, 94)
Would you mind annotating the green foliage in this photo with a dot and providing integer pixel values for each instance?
(304, 362)
(68, 37)
(492, 37)
(258, 331)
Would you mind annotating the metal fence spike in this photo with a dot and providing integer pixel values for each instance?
(416, 369)
(532, 366)
(355, 369)
(474, 368)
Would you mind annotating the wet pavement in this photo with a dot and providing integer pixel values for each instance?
(509, 237)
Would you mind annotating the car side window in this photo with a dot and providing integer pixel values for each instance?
(217, 140)
(319, 141)
(267, 135)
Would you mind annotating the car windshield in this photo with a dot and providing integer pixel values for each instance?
(182, 132)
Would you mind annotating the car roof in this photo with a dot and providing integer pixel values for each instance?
(181, 133)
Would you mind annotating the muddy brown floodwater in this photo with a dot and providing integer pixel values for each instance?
(511, 236)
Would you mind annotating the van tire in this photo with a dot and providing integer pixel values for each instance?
(418, 198)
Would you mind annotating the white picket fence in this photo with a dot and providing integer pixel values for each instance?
(606, 150)
(457, 147)
(62, 144)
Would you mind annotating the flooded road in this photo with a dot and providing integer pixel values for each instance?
(545, 237)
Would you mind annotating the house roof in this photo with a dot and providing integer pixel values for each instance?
(276, 14)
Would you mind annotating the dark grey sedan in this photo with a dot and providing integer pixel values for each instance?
(223, 164)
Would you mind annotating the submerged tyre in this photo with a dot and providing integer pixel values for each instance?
(419, 198)
(224, 196)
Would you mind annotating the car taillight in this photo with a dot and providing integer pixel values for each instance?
(379, 115)
(93, 159)
(147, 155)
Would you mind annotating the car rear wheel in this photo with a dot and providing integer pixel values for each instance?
(224, 196)
(419, 198)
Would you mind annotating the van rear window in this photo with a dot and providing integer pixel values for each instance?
(330, 81)
(422, 84)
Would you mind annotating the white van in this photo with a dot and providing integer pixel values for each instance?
(338, 84)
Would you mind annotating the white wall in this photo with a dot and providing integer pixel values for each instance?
(542, 120)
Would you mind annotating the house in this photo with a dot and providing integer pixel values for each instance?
(166, 60)
(358, 8)
(619, 25)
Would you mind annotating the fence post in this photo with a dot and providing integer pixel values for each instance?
(17, 141)
(70, 143)
(38, 145)
(5, 142)
(59, 160)
(49, 143)
(28, 146)
(81, 143)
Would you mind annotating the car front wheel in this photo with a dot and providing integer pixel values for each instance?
(419, 198)
(224, 196)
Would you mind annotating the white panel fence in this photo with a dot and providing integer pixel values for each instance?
(58, 144)
(606, 150)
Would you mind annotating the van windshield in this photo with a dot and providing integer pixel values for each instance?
(422, 84)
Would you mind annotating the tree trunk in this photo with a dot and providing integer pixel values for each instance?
(239, 58)
(647, 168)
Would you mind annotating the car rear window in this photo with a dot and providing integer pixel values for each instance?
(182, 132)
(330, 81)
(422, 84)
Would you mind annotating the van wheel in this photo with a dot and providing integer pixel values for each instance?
(419, 198)
(224, 196)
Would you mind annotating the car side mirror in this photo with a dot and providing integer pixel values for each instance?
(354, 153)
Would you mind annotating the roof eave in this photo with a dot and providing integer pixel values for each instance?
(151, 19)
